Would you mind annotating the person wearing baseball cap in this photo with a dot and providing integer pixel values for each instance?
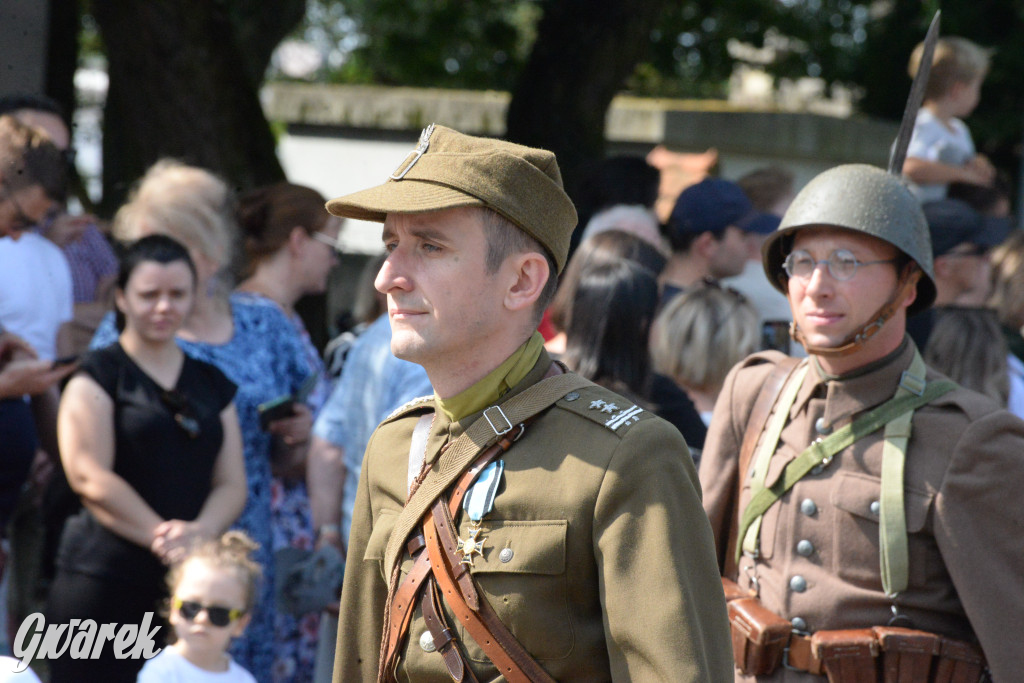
(502, 526)
(706, 231)
(961, 241)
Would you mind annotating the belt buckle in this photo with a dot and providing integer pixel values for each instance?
(504, 429)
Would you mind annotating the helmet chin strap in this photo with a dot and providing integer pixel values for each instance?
(908, 280)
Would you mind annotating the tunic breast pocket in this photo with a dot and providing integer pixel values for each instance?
(378, 542)
(855, 539)
(522, 575)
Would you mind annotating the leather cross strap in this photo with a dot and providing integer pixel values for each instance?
(498, 643)
(443, 636)
(759, 415)
(405, 597)
(465, 449)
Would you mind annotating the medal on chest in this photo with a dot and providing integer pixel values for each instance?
(479, 501)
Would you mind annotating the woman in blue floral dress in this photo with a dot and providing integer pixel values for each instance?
(289, 242)
(251, 342)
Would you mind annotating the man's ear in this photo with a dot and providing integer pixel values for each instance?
(528, 274)
(704, 245)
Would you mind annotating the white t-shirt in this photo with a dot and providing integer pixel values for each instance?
(171, 667)
(934, 141)
(35, 291)
(8, 675)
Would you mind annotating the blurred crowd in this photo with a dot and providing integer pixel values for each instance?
(664, 293)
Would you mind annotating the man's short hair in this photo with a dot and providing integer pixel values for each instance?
(956, 60)
(28, 158)
(504, 239)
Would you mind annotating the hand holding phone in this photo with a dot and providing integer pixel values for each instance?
(280, 407)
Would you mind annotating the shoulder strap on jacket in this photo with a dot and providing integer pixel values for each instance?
(759, 414)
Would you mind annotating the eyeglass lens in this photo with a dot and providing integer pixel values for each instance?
(841, 264)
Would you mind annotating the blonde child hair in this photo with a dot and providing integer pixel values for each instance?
(956, 60)
(232, 552)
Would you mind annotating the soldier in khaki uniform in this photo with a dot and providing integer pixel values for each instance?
(921, 538)
(583, 540)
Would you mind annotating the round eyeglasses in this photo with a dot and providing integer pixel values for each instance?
(841, 263)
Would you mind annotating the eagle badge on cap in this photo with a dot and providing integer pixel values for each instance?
(421, 148)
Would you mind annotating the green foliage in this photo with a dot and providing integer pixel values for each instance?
(430, 43)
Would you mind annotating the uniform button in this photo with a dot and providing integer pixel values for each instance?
(506, 555)
(572, 396)
(876, 507)
(798, 584)
(822, 427)
(799, 624)
(427, 642)
(808, 507)
(805, 548)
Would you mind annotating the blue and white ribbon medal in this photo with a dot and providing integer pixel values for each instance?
(479, 501)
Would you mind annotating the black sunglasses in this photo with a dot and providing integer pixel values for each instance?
(218, 616)
(179, 405)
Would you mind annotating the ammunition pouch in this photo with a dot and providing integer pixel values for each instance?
(762, 641)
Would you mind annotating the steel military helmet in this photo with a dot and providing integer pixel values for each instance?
(865, 199)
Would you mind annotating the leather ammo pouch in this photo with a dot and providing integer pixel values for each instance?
(759, 636)
(848, 656)
(959, 662)
(907, 654)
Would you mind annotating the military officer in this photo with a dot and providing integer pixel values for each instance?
(864, 504)
(580, 551)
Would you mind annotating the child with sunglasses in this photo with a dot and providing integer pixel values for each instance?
(212, 593)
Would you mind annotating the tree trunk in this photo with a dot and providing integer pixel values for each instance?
(585, 50)
(183, 85)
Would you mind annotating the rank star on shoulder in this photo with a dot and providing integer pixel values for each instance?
(596, 404)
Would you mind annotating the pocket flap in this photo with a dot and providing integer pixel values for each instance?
(858, 493)
(534, 547)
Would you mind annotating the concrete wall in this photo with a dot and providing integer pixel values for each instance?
(341, 139)
(384, 121)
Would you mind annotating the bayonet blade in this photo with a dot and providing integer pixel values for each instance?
(899, 149)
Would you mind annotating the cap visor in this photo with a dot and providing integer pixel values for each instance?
(400, 196)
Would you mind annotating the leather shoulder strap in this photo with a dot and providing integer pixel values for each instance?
(756, 422)
(496, 422)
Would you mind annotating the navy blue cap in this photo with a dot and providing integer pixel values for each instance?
(711, 205)
(952, 222)
(763, 224)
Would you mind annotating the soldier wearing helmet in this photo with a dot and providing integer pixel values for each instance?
(863, 504)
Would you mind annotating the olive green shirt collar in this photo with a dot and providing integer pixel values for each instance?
(496, 384)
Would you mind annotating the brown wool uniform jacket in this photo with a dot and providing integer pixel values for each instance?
(612, 572)
(963, 484)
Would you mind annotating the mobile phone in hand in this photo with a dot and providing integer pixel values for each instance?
(280, 407)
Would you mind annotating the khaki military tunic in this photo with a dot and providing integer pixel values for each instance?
(819, 557)
(598, 555)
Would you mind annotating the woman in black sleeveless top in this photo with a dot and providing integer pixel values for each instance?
(149, 440)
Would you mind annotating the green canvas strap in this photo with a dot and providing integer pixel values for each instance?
(894, 557)
(821, 452)
(769, 441)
